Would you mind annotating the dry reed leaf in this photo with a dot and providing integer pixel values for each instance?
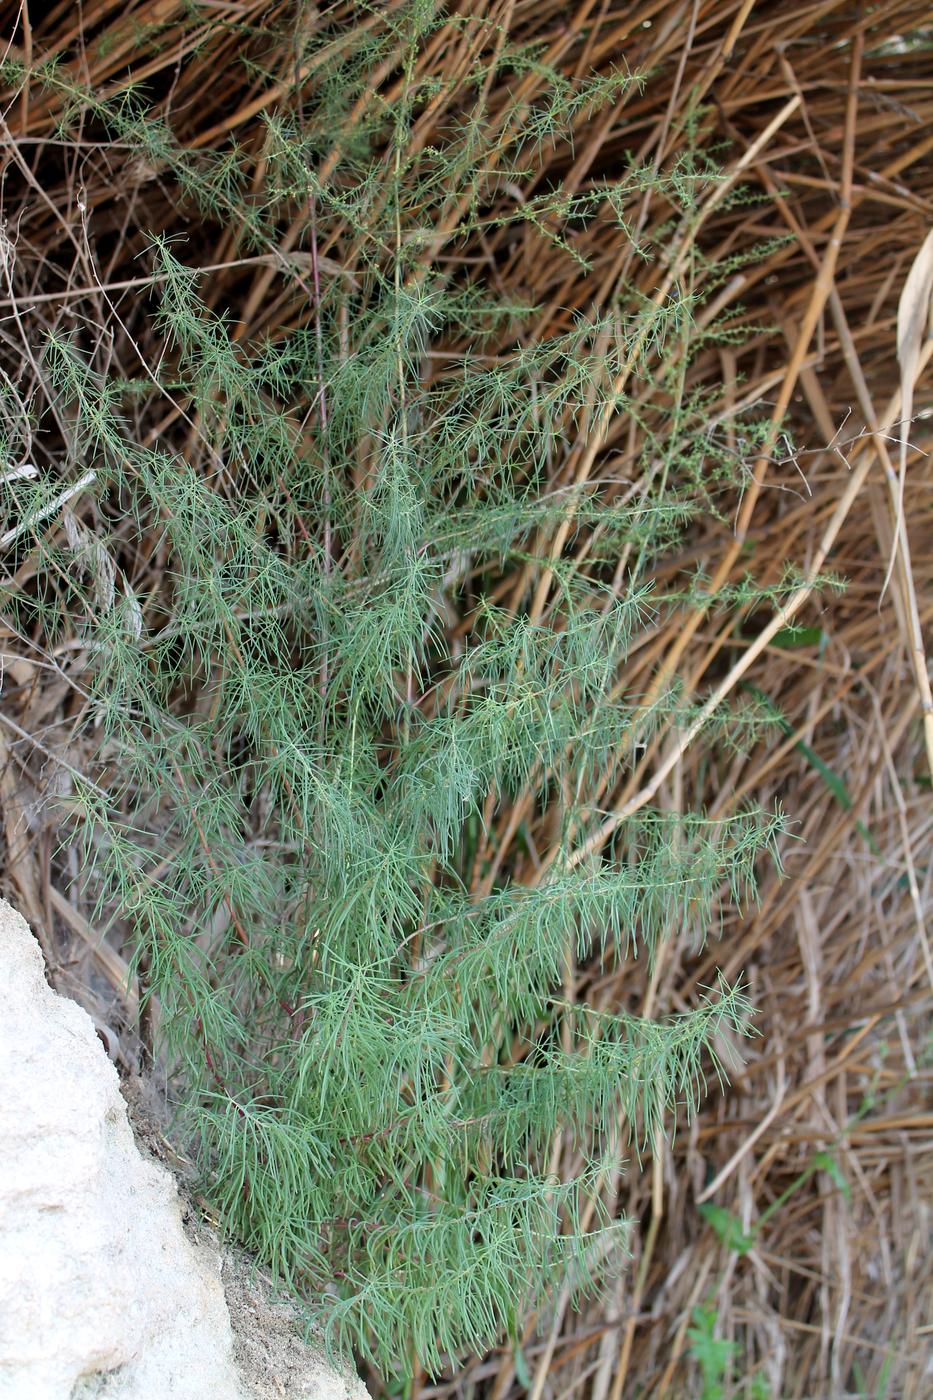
(914, 312)
(914, 323)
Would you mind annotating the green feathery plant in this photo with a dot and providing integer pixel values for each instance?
(367, 625)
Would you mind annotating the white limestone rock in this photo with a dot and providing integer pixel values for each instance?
(102, 1294)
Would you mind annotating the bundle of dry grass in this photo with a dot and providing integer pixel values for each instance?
(814, 1266)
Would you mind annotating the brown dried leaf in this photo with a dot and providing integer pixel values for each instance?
(913, 319)
(914, 323)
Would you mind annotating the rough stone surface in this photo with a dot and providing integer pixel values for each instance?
(102, 1293)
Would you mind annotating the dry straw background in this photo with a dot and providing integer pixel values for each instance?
(822, 111)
